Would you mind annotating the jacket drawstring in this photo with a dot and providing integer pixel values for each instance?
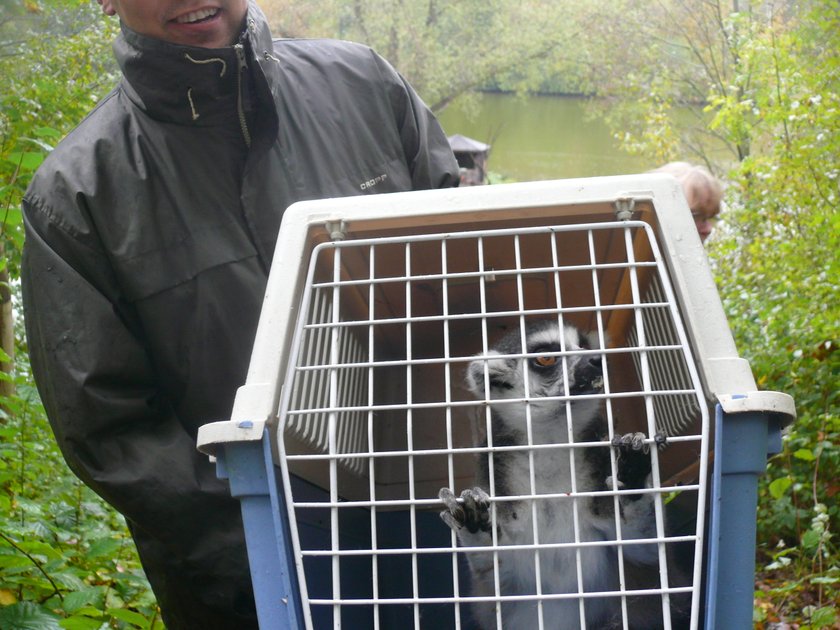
(193, 110)
(195, 114)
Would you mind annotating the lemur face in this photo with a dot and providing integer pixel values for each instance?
(544, 376)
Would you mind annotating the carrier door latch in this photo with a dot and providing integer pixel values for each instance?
(624, 208)
(336, 229)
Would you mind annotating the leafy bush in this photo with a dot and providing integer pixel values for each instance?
(66, 559)
(56, 63)
(778, 271)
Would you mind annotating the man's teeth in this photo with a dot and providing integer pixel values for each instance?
(195, 16)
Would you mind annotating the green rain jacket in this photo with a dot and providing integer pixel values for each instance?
(149, 233)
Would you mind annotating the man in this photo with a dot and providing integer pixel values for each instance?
(150, 231)
(703, 192)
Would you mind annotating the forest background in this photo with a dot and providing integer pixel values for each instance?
(762, 77)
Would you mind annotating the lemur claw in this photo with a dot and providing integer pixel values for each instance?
(470, 510)
(631, 442)
(637, 441)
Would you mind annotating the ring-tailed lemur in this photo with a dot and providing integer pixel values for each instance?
(497, 376)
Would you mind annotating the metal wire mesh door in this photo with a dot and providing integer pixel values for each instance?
(378, 416)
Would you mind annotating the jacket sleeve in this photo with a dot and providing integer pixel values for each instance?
(115, 430)
(427, 150)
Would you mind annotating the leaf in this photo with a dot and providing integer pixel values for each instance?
(40, 548)
(27, 616)
(7, 597)
(811, 539)
(46, 132)
(78, 622)
(14, 562)
(804, 454)
(779, 486)
(44, 146)
(69, 580)
(113, 600)
(825, 580)
(89, 611)
(129, 616)
(103, 547)
(76, 600)
(27, 161)
(824, 617)
(13, 217)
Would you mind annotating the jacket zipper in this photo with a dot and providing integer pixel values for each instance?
(240, 107)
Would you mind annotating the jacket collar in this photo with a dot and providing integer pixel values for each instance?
(188, 85)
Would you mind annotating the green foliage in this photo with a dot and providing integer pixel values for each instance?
(780, 239)
(66, 559)
(446, 48)
(55, 62)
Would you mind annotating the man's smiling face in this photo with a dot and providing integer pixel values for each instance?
(204, 23)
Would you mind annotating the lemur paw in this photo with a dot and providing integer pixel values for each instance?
(634, 462)
(636, 442)
(471, 510)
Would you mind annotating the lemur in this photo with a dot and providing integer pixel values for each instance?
(470, 515)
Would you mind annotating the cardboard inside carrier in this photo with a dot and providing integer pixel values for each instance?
(376, 408)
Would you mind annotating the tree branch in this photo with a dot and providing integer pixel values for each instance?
(34, 561)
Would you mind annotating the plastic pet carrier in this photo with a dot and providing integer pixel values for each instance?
(510, 406)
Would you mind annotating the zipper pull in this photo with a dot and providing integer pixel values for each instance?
(239, 49)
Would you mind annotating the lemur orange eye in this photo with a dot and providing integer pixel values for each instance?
(546, 361)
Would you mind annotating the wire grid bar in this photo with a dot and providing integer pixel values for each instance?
(384, 503)
(496, 315)
(536, 546)
(503, 598)
(472, 275)
(360, 369)
(476, 450)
